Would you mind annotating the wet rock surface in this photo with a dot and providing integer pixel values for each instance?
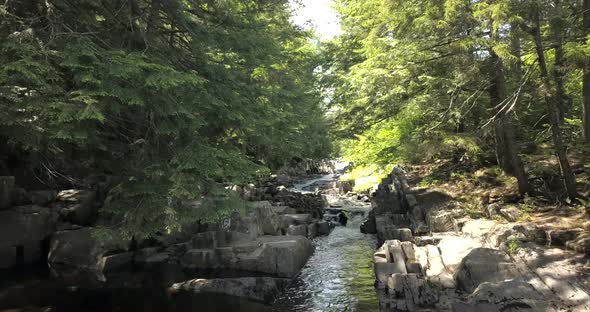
(263, 289)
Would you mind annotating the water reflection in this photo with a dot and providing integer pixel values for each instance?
(338, 277)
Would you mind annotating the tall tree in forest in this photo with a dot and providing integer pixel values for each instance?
(553, 99)
(166, 101)
(496, 16)
(506, 150)
(586, 78)
(413, 84)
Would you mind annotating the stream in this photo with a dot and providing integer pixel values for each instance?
(338, 277)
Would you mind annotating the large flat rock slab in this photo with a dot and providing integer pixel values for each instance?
(562, 271)
(26, 224)
(484, 265)
(281, 256)
(263, 289)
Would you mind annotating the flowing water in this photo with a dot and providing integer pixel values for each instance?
(338, 277)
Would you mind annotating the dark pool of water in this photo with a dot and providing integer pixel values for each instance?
(338, 277)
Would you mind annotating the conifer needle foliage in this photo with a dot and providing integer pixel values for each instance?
(168, 99)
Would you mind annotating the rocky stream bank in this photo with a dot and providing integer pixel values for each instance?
(54, 258)
(435, 258)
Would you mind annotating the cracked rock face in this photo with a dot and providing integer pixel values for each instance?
(474, 264)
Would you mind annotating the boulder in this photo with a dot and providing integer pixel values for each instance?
(407, 292)
(117, 261)
(421, 257)
(282, 179)
(247, 224)
(249, 192)
(484, 265)
(263, 289)
(581, 244)
(7, 257)
(477, 228)
(369, 226)
(324, 228)
(492, 210)
(42, 198)
(403, 234)
(426, 240)
(499, 234)
(84, 249)
(505, 291)
(454, 248)
(312, 230)
(416, 262)
(384, 270)
(270, 223)
(436, 271)
(382, 255)
(345, 187)
(391, 232)
(509, 295)
(31, 253)
(531, 232)
(442, 221)
(561, 237)
(312, 204)
(296, 219)
(144, 253)
(81, 206)
(411, 199)
(300, 230)
(20, 197)
(203, 259)
(154, 260)
(6, 191)
(511, 213)
(282, 256)
(281, 210)
(215, 239)
(26, 224)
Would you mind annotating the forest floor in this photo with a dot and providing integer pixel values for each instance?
(473, 188)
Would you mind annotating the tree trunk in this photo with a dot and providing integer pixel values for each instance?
(560, 95)
(553, 113)
(516, 47)
(506, 150)
(154, 18)
(586, 79)
(500, 146)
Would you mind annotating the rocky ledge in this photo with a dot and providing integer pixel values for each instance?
(446, 261)
(269, 241)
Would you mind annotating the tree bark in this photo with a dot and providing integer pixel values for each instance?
(506, 149)
(586, 79)
(154, 17)
(553, 113)
(516, 47)
(560, 95)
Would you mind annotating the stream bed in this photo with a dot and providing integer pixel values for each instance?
(338, 277)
